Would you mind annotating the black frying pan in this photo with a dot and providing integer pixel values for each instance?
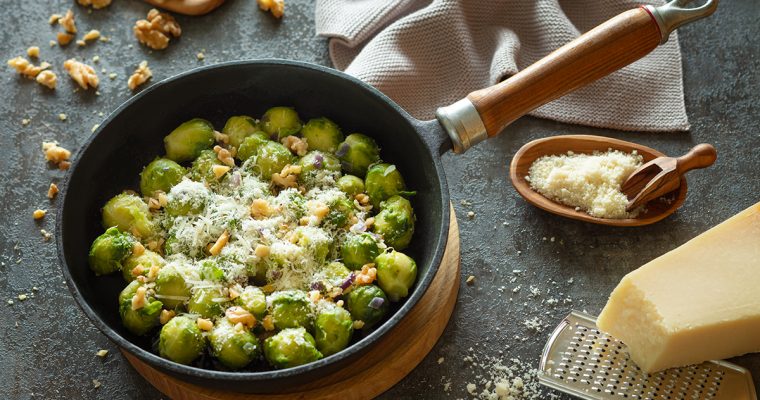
(132, 136)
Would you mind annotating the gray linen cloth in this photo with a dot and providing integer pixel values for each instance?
(425, 54)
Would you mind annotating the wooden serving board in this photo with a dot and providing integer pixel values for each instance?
(384, 365)
(187, 7)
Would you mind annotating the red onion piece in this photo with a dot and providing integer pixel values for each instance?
(376, 302)
(342, 150)
(318, 159)
(347, 282)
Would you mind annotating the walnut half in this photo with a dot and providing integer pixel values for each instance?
(154, 31)
(81, 73)
(140, 76)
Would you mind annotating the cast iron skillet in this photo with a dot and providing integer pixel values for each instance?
(131, 136)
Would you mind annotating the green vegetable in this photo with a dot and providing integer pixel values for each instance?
(383, 181)
(333, 330)
(271, 157)
(181, 340)
(359, 249)
(186, 199)
(357, 153)
(340, 212)
(334, 273)
(253, 300)
(209, 271)
(130, 214)
(238, 128)
(322, 134)
(171, 287)
(315, 166)
(318, 245)
(395, 222)
(109, 250)
(279, 122)
(351, 185)
(147, 259)
(202, 169)
(207, 301)
(396, 273)
(188, 140)
(142, 320)
(160, 175)
(363, 306)
(291, 309)
(233, 345)
(250, 145)
(290, 348)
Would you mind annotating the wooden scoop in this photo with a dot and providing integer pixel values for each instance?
(663, 175)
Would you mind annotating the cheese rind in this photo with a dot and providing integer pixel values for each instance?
(696, 303)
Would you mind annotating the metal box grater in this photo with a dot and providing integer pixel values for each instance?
(582, 361)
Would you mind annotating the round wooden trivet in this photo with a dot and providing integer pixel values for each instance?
(384, 365)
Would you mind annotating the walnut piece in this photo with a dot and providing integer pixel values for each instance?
(165, 316)
(64, 38)
(138, 300)
(296, 145)
(47, 78)
(204, 324)
(287, 177)
(81, 73)
(54, 153)
(154, 31)
(39, 214)
(367, 275)
(276, 7)
(52, 191)
(54, 18)
(67, 22)
(238, 314)
(25, 68)
(96, 4)
(224, 155)
(219, 244)
(33, 52)
(140, 76)
(91, 35)
(219, 170)
(260, 209)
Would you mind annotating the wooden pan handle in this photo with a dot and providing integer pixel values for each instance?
(187, 7)
(595, 54)
(701, 156)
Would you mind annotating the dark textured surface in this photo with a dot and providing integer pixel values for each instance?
(47, 346)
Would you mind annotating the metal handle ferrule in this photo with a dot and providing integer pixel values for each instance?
(463, 124)
(674, 14)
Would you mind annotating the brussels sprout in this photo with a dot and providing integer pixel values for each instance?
(233, 345)
(188, 140)
(395, 222)
(396, 273)
(250, 144)
(253, 300)
(207, 301)
(181, 340)
(202, 169)
(279, 122)
(359, 249)
(188, 197)
(290, 348)
(322, 134)
(357, 153)
(239, 127)
(161, 174)
(316, 165)
(334, 273)
(340, 212)
(315, 240)
(109, 250)
(130, 214)
(271, 157)
(351, 185)
(171, 287)
(368, 304)
(143, 319)
(291, 309)
(383, 181)
(333, 329)
(209, 270)
(147, 259)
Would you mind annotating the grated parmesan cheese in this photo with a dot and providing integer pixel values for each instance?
(589, 182)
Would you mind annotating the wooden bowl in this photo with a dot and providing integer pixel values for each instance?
(587, 144)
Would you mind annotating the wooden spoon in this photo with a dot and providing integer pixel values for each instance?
(187, 7)
(662, 175)
(587, 144)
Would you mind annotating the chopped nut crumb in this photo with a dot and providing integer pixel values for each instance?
(224, 156)
(276, 7)
(55, 153)
(362, 198)
(165, 316)
(140, 76)
(23, 297)
(33, 52)
(219, 170)
(62, 117)
(440, 360)
(470, 214)
(238, 314)
(358, 324)
(67, 22)
(96, 4)
(45, 235)
(91, 35)
(138, 300)
(268, 323)
(260, 208)
(25, 121)
(54, 18)
(200, 56)
(219, 244)
(296, 145)
(64, 165)
(112, 76)
(24, 67)
(287, 177)
(367, 275)
(39, 214)
(81, 73)
(81, 43)
(102, 353)
(64, 38)
(52, 43)
(48, 79)
(470, 280)
(205, 324)
(96, 59)
(96, 383)
(155, 31)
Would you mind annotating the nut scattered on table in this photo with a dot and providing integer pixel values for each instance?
(33, 51)
(67, 22)
(48, 79)
(275, 7)
(64, 38)
(96, 4)
(91, 35)
(39, 214)
(54, 153)
(154, 31)
(81, 73)
(26, 68)
(52, 191)
(140, 76)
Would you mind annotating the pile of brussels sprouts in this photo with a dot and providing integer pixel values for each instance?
(224, 302)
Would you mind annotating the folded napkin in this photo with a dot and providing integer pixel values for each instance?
(425, 54)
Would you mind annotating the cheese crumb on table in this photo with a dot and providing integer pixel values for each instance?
(102, 353)
(589, 182)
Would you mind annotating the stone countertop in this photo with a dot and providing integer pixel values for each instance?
(47, 345)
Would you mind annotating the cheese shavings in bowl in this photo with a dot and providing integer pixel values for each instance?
(588, 182)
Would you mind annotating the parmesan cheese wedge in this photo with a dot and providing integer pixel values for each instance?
(698, 302)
